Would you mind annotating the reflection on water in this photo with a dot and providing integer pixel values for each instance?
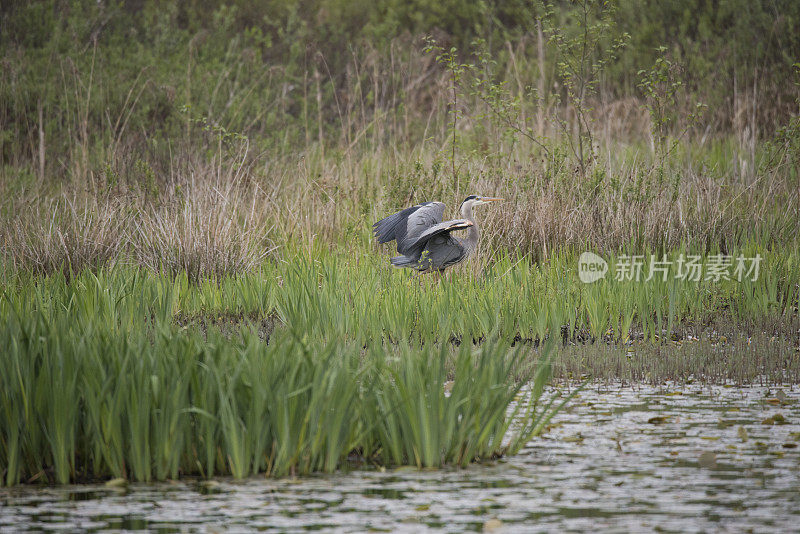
(620, 458)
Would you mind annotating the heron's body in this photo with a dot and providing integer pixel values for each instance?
(424, 241)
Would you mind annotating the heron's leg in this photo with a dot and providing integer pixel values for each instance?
(422, 277)
(432, 278)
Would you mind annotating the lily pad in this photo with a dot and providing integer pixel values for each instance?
(492, 525)
(742, 433)
(708, 460)
(658, 419)
(776, 419)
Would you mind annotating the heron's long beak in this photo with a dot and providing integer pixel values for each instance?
(490, 199)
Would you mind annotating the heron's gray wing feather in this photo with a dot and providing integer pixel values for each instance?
(421, 220)
(443, 250)
(437, 229)
(397, 226)
(386, 229)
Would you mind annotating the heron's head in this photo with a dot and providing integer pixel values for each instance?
(475, 200)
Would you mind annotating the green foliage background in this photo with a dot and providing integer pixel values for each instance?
(167, 164)
(250, 66)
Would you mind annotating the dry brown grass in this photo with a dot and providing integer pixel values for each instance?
(214, 219)
(215, 206)
(209, 221)
(212, 225)
(629, 204)
(65, 234)
(207, 237)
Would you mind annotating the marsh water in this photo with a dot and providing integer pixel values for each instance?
(625, 458)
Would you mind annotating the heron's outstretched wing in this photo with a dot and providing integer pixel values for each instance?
(441, 251)
(440, 229)
(407, 225)
(435, 248)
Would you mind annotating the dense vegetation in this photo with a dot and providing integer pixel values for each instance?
(97, 382)
(188, 188)
(121, 119)
(296, 368)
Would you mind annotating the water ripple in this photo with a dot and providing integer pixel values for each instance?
(619, 459)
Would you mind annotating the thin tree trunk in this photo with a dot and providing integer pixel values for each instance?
(319, 113)
(541, 81)
(41, 141)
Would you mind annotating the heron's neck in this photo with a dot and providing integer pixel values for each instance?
(474, 233)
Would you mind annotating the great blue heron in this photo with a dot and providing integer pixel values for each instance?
(425, 241)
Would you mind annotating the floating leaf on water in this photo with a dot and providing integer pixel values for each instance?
(208, 487)
(710, 438)
(117, 483)
(403, 468)
(423, 508)
(658, 419)
(776, 419)
(742, 433)
(789, 445)
(708, 460)
(673, 393)
(773, 401)
(492, 525)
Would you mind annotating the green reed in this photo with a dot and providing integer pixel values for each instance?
(366, 362)
(99, 382)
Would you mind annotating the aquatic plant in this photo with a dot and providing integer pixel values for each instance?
(304, 364)
(99, 381)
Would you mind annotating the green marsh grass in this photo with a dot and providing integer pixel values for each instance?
(102, 379)
(188, 289)
(359, 297)
(99, 381)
